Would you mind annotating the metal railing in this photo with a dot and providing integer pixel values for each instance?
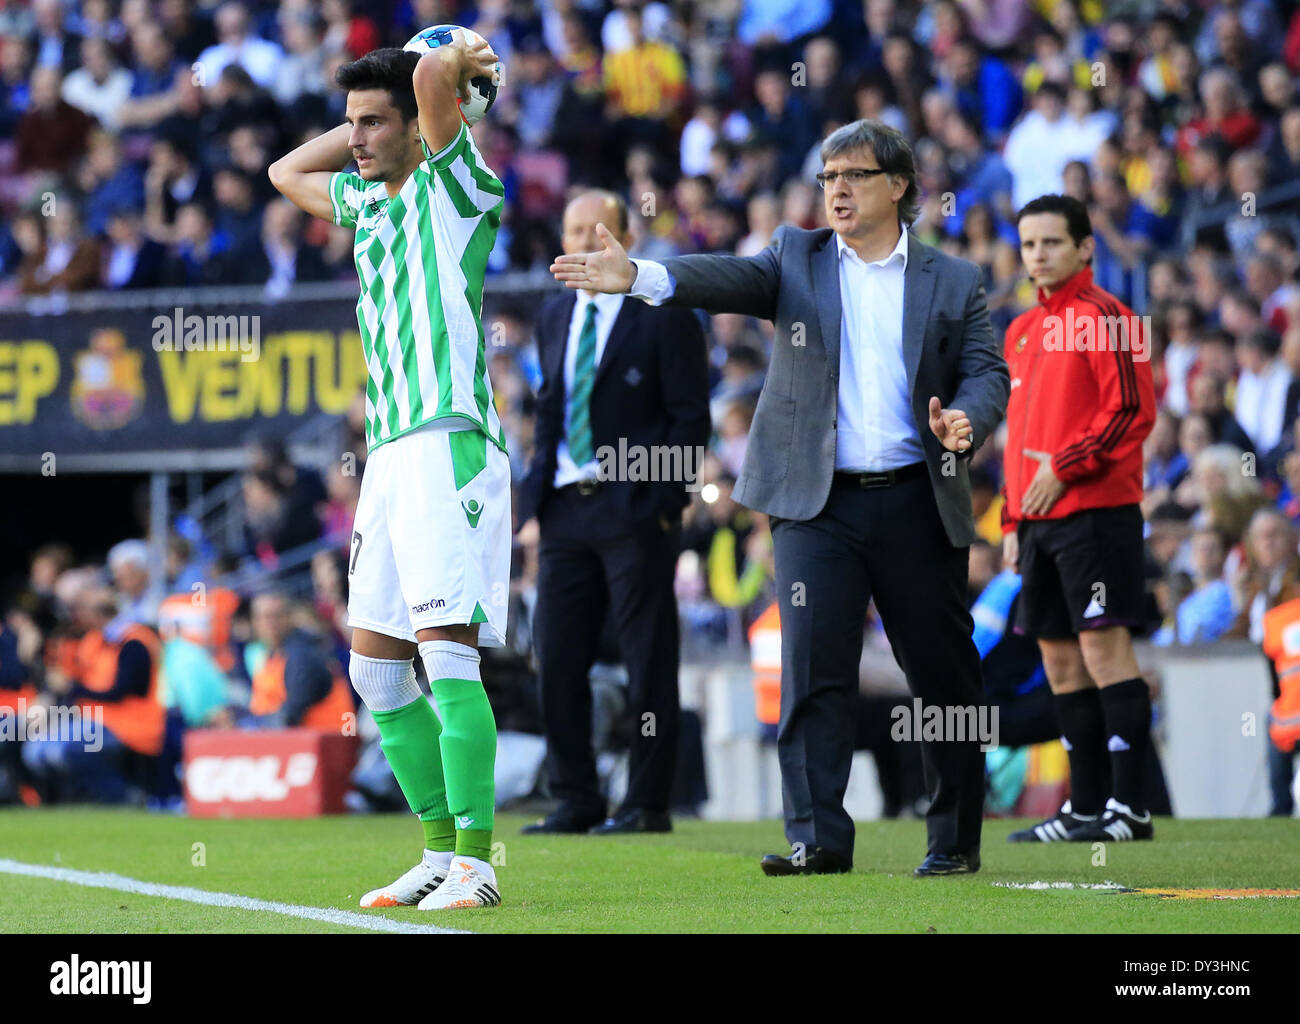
(219, 511)
(508, 285)
(291, 573)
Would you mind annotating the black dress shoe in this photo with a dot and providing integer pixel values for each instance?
(634, 820)
(563, 822)
(815, 861)
(948, 864)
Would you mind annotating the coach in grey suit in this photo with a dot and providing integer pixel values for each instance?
(884, 379)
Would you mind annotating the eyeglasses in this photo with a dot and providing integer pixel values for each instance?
(853, 175)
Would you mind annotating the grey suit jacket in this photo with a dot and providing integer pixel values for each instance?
(948, 348)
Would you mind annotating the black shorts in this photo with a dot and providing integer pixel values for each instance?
(1085, 571)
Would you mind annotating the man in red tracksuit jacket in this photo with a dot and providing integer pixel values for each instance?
(1082, 402)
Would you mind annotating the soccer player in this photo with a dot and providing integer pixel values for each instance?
(430, 554)
(1082, 402)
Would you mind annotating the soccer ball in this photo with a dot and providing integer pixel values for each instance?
(480, 92)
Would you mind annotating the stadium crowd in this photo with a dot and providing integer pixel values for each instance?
(135, 137)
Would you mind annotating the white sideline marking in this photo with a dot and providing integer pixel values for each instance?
(1058, 885)
(107, 880)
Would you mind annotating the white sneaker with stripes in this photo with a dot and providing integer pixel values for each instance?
(412, 887)
(465, 887)
(1055, 829)
(1118, 824)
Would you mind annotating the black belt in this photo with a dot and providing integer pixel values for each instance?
(586, 487)
(886, 479)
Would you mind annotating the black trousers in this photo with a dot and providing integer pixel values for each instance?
(889, 544)
(583, 575)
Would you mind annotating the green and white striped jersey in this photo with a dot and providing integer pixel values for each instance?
(421, 258)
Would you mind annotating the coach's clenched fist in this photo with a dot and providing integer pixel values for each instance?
(950, 426)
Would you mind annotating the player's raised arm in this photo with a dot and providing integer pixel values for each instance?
(439, 81)
(303, 176)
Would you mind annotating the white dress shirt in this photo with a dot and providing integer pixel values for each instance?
(653, 283)
(259, 57)
(1261, 404)
(101, 100)
(876, 430)
(607, 307)
(1036, 153)
(1179, 360)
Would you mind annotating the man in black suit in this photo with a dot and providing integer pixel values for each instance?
(280, 258)
(134, 260)
(884, 379)
(622, 418)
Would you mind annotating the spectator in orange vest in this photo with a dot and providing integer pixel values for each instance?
(1270, 580)
(1283, 649)
(226, 643)
(107, 711)
(192, 681)
(224, 603)
(295, 685)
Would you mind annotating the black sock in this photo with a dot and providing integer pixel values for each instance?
(1083, 727)
(1128, 733)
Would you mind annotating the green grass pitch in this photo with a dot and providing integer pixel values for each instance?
(703, 877)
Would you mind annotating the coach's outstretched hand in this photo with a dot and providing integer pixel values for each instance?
(950, 426)
(608, 270)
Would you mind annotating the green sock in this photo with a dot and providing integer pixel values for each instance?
(469, 751)
(409, 738)
(474, 842)
(439, 834)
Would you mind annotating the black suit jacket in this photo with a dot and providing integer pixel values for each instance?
(148, 269)
(651, 388)
(308, 265)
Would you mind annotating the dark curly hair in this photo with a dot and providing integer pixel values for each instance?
(388, 68)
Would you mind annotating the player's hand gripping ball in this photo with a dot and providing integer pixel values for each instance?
(481, 91)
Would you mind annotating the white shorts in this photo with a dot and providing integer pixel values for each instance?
(432, 534)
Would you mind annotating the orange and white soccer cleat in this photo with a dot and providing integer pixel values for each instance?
(408, 890)
(466, 886)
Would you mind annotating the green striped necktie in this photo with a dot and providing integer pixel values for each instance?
(578, 432)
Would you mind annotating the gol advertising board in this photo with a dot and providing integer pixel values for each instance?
(272, 773)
